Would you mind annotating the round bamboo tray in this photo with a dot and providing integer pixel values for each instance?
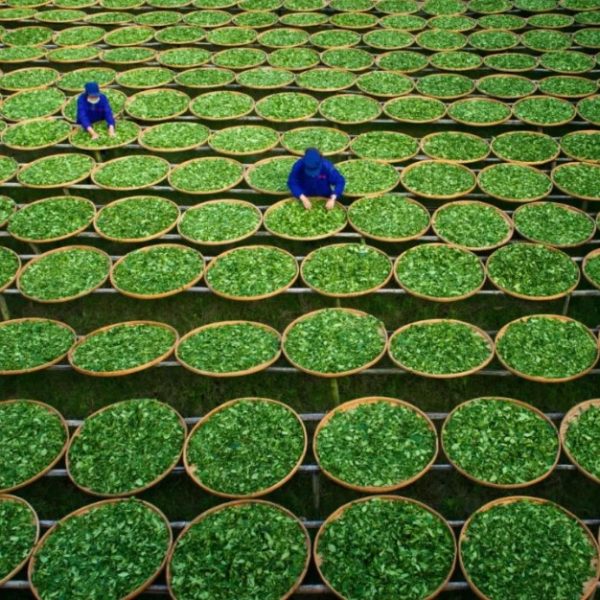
(13, 210)
(36, 523)
(191, 469)
(536, 124)
(266, 148)
(590, 586)
(565, 95)
(509, 292)
(204, 192)
(586, 259)
(499, 486)
(282, 289)
(565, 207)
(371, 290)
(473, 328)
(27, 71)
(439, 298)
(26, 93)
(350, 405)
(147, 146)
(479, 124)
(274, 207)
(138, 490)
(384, 95)
(506, 76)
(539, 378)
(16, 274)
(98, 167)
(139, 85)
(505, 198)
(330, 129)
(572, 415)
(150, 30)
(340, 511)
(62, 184)
(256, 166)
(43, 365)
(379, 238)
(450, 97)
(354, 121)
(596, 98)
(381, 192)
(569, 192)
(323, 60)
(61, 139)
(498, 211)
(225, 118)
(450, 196)
(428, 137)
(573, 156)
(257, 109)
(122, 372)
(85, 509)
(337, 88)
(40, 257)
(104, 84)
(325, 375)
(134, 240)
(243, 203)
(255, 86)
(387, 49)
(521, 162)
(60, 454)
(156, 91)
(109, 146)
(150, 58)
(210, 511)
(139, 296)
(261, 367)
(517, 70)
(14, 172)
(413, 121)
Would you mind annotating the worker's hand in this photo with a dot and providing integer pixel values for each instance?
(305, 202)
(111, 132)
(94, 135)
(331, 202)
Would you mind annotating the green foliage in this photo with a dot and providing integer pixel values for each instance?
(439, 271)
(205, 78)
(123, 346)
(125, 133)
(32, 104)
(291, 219)
(36, 133)
(74, 81)
(180, 34)
(126, 447)
(32, 438)
(174, 135)
(364, 176)
(280, 37)
(404, 22)
(326, 140)
(507, 552)
(401, 548)
(131, 172)
(479, 111)
(9, 265)
(582, 145)
(225, 555)
(271, 176)
(525, 147)
(406, 61)
(287, 106)
(158, 18)
(578, 179)
(206, 175)
(455, 61)
(352, 59)
(158, 269)
(27, 36)
(183, 58)
(335, 38)
(514, 182)
(444, 85)
(79, 36)
(350, 108)
(452, 23)
(303, 19)
(258, 19)
(325, 79)
(129, 36)
(438, 179)
(384, 83)
(567, 61)
(415, 109)
(387, 39)
(56, 170)
(252, 271)
(107, 552)
(511, 61)
(31, 343)
(8, 167)
(7, 208)
(145, 77)
(592, 269)
(229, 348)
(73, 54)
(441, 40)
(493, 40)
(239, 58)
(115, 98)
(455, 146)
(589, 109)
(543, 110)
(544, 346)
(17, 54)
(17, 534)
(335, 340)
(500, 442)
(157, 104)
(385, 145)
(265, 78)
(294, 58)
(208, 18)
(244, 139)
(568, 86)
(221, 105)
(582, 439)
(506, 86)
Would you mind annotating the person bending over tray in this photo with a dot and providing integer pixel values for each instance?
(92, 107)
(312, 175)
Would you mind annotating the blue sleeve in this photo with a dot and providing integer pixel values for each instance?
(294, 182)
(82, 114)
(336, 180)
(108, 113)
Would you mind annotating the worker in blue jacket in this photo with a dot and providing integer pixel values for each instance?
(312, 175)
(92, 107)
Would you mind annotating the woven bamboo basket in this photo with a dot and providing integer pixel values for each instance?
(336, 88)
(122, 372)
(572, 415)
(159, 234)
(151, 33)
(250, 371)
(573, 156)
(498, 211)
(191, 469)
(499, 486)
(27, 71)
(353, 194)
(446, 98)
(257, 109)
(16, 274)
(473, 328)
(438, 298)
(210, 511)
(379, 238)
(426, 138)
(109, 146)
(274, 207)
(262, 35)
(256, 166)
(433, 48)
(151, 58)
(383, 56)
(539, 378)
(140, 296)
(590, 586)
(566, 191)
(104, 84)
(367, 365)
(340, 122)
(520, 162)
(13, 210)
(138, 490)
(143, 86)
(529, 122)
(323, 60)
(314, 64)
(276, 292)
(36, 523)
(385, 48)
(163, 60)
(40, 257)
(69, 61)
(59, 455)
(449, 196)
(339, 513)
(565, 207)
(156, 91)
(31, 148)
(506, 76)
(147, 146)
(56, 35)
(41, 56)
(586, 259)
(82, 511)
(204, 192)
(505, 198)
(365, 292)
(267, 148)
(43, 365)
(563, 94)
(25, 93)
(472, 123)
(254, 86)
(596, 98)
(509, 292)
(381, 94)
(227, 117)
(243, 203)
(62, 184)
(98, 167)
(300, 152)
(522, 70)
(352, 404)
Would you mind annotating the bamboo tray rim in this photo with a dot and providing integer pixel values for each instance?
(232, 117)
(397, 159)
(14, 276)
(540, 196)
(328, 129)
(538, 134)
(24, 123)
(62, 184)
(28, 91)
(461, 161)
(447, 196)
(509, 75)
(157, 91)
(267, 148)
(543, 97)
(589, 256)
(99, 166)
(191, 470)
(150, 30)
(109, 146)
(272, 119)
(260, 163)
(206, 160)
(573, 157)
(404, 97)
(569, 192)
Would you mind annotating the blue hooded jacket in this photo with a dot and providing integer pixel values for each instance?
(88, 113)
(313, 176)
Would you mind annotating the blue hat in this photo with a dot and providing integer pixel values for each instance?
(312, 162)
(92, 89)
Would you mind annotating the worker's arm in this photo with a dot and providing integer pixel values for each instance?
(108, 113)
(294, 180)
(82, 114)
(337, 181)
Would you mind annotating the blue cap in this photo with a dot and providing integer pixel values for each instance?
(312, 162)
(92, 89)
